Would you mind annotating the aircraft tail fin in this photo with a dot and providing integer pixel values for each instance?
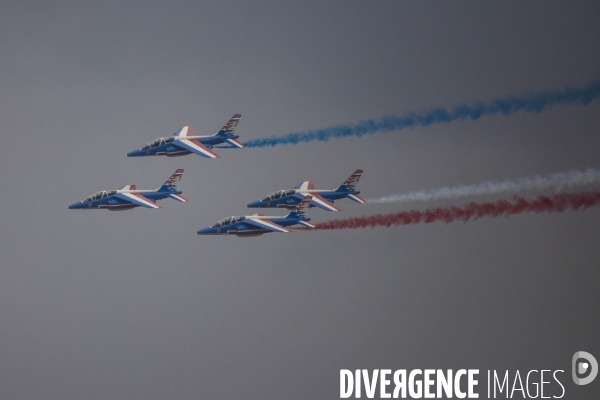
(300, 209)
(229, 128)
(349, 184)
(171, 184)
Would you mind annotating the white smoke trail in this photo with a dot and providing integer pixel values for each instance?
(557, 181)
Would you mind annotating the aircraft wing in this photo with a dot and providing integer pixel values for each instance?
(185, 131)
(318, 201)
(195, 146)
(308, 185)
(137, 199)
(128, 187)
(265, 224)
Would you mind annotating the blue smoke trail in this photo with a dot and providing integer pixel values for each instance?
(533, 103)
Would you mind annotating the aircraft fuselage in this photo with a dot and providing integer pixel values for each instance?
(167, 146)
(290, 198)
(240, 228)
(106, 199)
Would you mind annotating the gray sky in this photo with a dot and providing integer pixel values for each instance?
(135, 305)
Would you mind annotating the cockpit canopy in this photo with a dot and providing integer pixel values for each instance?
(157, 142)
(279, 194)
(227, 221)
(99, 195)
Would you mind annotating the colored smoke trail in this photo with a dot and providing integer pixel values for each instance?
(558, 181)
(509, 105)
(546, 204)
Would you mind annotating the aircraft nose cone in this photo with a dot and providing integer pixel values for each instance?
(75, 206)
(254, 204)
(133, 153)
(205, 231)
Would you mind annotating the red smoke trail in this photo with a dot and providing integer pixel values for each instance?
(549, 204)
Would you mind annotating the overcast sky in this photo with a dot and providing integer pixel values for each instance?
(135, 305)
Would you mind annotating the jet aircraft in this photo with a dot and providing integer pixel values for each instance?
(129, 196)
(257, 224)
(184, 142)
(320, 198)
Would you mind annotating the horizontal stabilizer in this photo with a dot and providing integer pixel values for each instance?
(356, 198)
(307, 224)
(178, 197)
(235, 143)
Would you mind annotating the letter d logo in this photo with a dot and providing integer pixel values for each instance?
(582, 367)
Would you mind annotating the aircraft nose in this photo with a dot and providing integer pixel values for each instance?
(75, 205)
(205, 231)
(254, 204)
(134, 153)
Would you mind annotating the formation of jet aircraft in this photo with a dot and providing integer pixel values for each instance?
(320, 198)
(257, 224)
(184, 142)
(129, 196)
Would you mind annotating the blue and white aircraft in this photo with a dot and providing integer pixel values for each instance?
(129, 197)
(320, 198)
(184, 142)
(257, 224)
